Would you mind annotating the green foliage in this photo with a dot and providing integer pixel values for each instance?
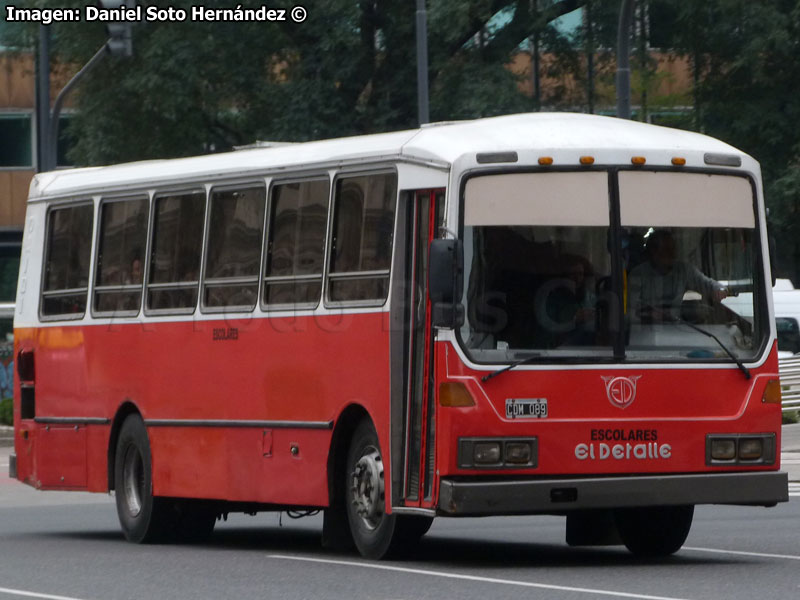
(748, 94)
(7, 411)
(350, 68)
(791, 417)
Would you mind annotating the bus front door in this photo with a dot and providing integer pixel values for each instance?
(413, 410)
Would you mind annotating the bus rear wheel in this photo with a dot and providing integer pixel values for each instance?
(654, 531)
(143, 517)
(373, 530)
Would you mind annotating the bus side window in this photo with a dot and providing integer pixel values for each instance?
(120, 256)
(69, 245)
(296, 244)
(235, 232)
(362, 238)
(175, 256)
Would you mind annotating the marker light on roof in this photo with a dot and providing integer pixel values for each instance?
(638, 160)
(678, 161)
(723, 160)
(587, 160)
(545, 161)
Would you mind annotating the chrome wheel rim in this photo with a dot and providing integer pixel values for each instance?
(367, 488)
(133, 480)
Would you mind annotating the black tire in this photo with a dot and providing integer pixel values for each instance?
(372, 529)
(410, 528)
(654, 531)
(143, 517)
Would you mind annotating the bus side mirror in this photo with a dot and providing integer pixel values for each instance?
(446, 282)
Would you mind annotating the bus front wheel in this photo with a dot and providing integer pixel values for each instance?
(143, 517)
(654, 531)
(373, 530)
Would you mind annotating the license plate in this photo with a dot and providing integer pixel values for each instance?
(526, 408)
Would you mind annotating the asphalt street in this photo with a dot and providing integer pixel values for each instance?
(68, 546)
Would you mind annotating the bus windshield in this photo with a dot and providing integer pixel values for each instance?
(550, 276)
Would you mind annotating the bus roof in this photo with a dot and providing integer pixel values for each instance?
(439, 144)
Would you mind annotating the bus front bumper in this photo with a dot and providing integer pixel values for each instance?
(531, 496)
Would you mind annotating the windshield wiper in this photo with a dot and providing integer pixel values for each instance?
(653, 311)
(517, 363)
(735, 359)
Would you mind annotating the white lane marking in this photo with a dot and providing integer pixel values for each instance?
(34, 594)
(529, 584)
(743, 553)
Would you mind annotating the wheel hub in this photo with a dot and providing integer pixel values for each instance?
(367, 488)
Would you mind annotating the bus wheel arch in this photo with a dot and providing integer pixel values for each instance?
(335, 529)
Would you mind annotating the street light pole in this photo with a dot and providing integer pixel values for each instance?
(52, 132)
(119, 42)
(623, 60)
(422, 64)
(42, 97)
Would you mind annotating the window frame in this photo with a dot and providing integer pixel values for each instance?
(620, 358)
(61, 205)
(96, 255)
(195, 188)
(226, 187)
(264, 279)
(387, 273)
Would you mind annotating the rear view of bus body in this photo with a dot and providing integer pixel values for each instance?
(519, 315)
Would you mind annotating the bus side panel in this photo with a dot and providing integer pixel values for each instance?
(297, 374)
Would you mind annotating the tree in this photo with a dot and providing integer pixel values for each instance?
(350, 68)
(747, 92)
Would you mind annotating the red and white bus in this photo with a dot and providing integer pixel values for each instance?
(517, 315)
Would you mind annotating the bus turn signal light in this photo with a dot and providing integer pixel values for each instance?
(455, 394)
(772, 392)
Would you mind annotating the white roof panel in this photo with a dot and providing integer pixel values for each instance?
(437, 143)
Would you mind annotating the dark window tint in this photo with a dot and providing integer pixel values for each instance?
(298, 219)
(16, 148)
(362, 241)
(120, 258)
(234, 247)
(69, 243)
(175, 258)
(10, 249)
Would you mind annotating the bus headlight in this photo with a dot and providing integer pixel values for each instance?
(723, 449)
(739, 448)
(518, 453)
(750, 448)
(486, 453)
(497, 453)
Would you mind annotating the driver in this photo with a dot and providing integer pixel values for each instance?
(656, 287)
